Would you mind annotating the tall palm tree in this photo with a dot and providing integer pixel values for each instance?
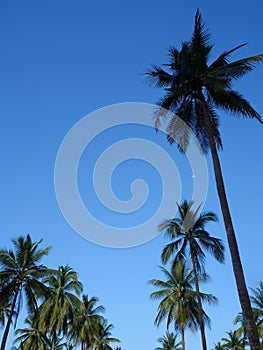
(178, 299)
(32, 337)
(234, 341)
(86, 322)
(169, 342)
(189, 238)
(103, 338)
(20, 272)
(61, 304)
(194, 89)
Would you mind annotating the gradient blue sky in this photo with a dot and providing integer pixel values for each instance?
(61, 60)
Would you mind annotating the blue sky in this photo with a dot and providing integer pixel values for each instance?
(61, 60)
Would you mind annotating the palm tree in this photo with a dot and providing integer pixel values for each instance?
(21, 272)
(257, 301)
(103, 337)
(32, 337)
(219, 346)
(234, 341)
(189, 238)
(178, 299)
(61, 304)
(241, 331)
(86, 322)
(4, 311)
(194, 89)
(4, 303)
(257, 296)
(169, 342)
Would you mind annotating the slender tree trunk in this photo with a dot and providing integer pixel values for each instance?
(199, 302)
(250, 325)
(9, 321)
(183, 340)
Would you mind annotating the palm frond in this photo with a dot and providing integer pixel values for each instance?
(222, 60)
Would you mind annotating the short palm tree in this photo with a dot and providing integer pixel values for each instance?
(257, 296)
(21, 273)
(62, 303)
(32, 337)
(86, 322)
(169, 342)
(189, 238)
(103, 337)
(241, 331)
(178, 303)
(219, 346)
(257, 301)
(194, 90)
(234, 341)
(4, 311)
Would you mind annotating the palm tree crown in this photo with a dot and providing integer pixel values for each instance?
(169, 342)
(190, 79)
(257, 296)
(87, 322)
(32, 337)
(62, 303)
(234, 341)
(21, 272)
(103, 337)
(178, 303)
(189, 236)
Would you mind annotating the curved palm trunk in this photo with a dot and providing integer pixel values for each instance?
(9, 321)
(233, 247)
(199, 302)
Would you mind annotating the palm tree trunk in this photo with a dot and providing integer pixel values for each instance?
(183, 339)
(9, 321)
(199, 302)
(233, 247)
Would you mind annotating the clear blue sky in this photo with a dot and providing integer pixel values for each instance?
(61, 60)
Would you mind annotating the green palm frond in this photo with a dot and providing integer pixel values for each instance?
(223, 60)
(158, 77)
(257, 296)
(234, 102)
(236, 69)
